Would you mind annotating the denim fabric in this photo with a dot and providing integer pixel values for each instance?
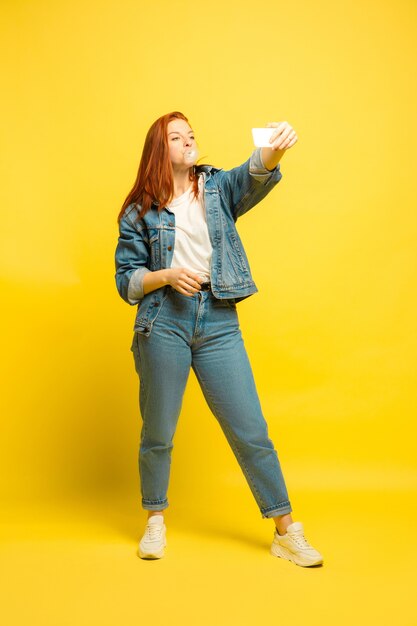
(147, 244)
(202, 332)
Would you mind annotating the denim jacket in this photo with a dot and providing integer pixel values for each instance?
(147, 244)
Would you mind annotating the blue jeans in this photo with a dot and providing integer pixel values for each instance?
(202, 332)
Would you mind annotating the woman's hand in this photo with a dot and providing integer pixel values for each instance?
(284, 137)
(183, 280)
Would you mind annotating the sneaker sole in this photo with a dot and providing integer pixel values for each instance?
(150, 555)
(283, 553)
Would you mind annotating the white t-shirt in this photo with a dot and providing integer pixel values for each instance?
(192, 248)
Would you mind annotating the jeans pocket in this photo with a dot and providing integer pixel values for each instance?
(135, 350)
(225, 303)
(230, 303)
(133, 344)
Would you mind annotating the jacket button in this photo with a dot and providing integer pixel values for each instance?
(169, 247)
(170, 223)
(156, 303)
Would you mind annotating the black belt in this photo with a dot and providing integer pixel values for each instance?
(205, 286)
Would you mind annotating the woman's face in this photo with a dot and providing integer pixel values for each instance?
(180, 140)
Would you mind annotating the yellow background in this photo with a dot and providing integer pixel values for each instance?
(331, 334)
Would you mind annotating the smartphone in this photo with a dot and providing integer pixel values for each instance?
(261, 137)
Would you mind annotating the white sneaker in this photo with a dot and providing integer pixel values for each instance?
(295, 547)
(152, 544)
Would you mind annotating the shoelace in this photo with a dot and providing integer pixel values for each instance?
(300, 540)
(153, 531)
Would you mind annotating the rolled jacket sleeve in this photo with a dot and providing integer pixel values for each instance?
(135, 289)
(131, 258)
(257, 168)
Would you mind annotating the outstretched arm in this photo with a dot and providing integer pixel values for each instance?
(283, 138)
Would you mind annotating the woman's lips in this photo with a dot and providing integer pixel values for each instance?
(190, 155)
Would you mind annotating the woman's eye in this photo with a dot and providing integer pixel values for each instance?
(175, 138)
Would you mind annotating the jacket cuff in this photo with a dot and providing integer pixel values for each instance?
(135, 290)
(257, 168)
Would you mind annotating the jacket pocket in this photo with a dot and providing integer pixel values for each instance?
(235, 254)
(155, 248)
(149, 310)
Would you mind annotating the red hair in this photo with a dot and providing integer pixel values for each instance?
(154, 182)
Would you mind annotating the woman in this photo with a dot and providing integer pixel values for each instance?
(180, 259)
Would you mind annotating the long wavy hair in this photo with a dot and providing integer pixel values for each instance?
(154, 182)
